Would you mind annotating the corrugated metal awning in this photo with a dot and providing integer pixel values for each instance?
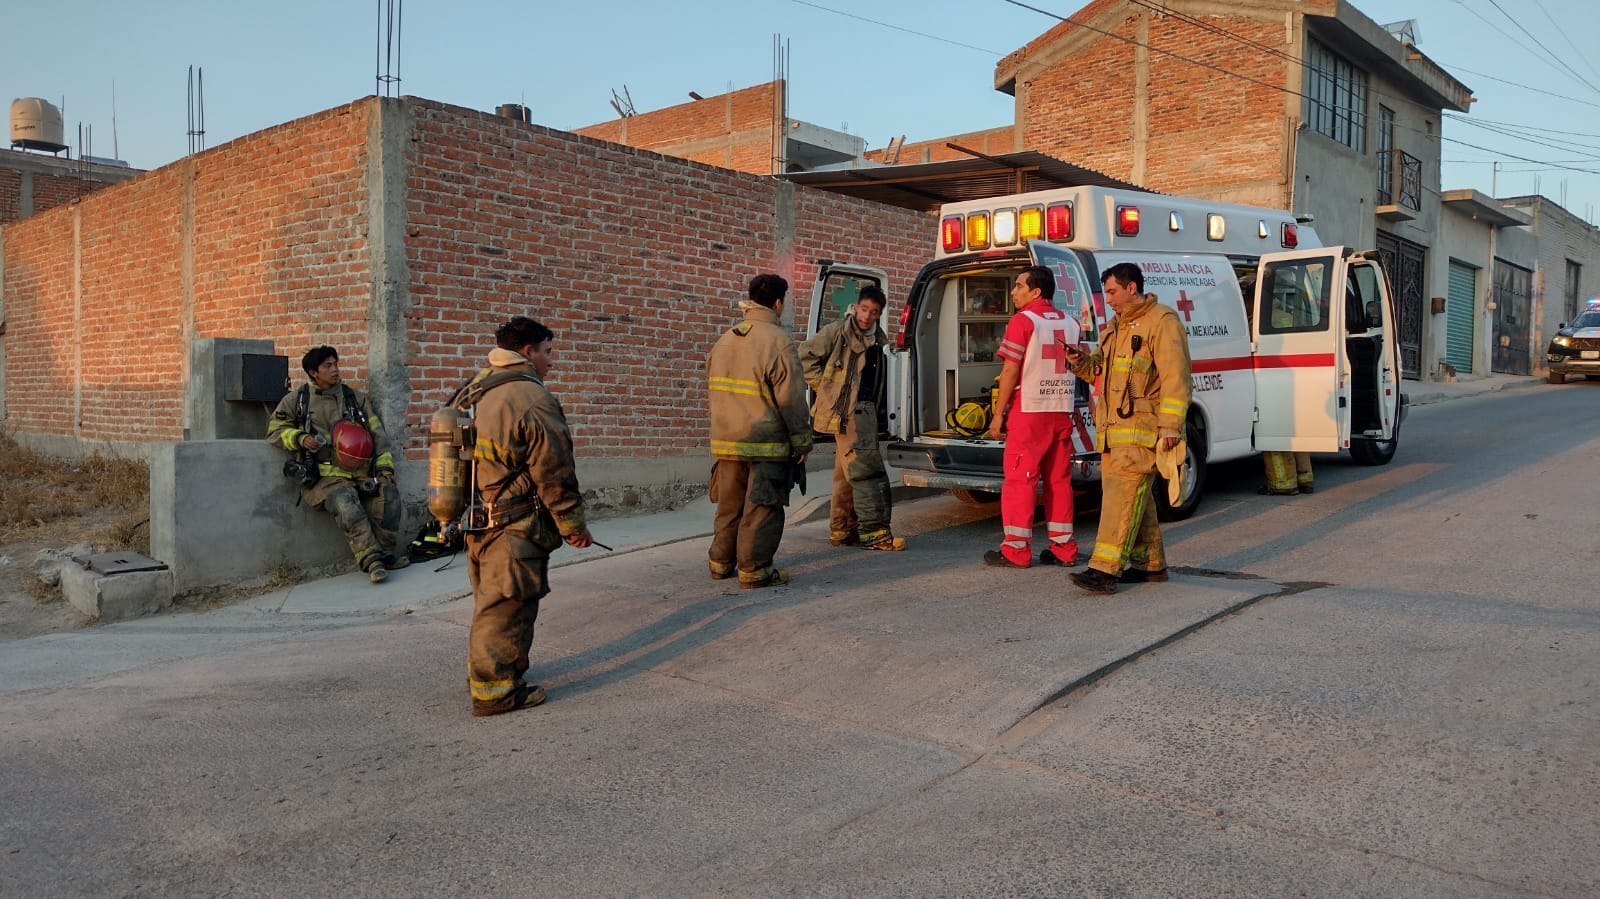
(927, 186)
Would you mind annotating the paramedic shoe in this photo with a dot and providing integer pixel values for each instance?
(526, 696)
(377, 574)
(775, 577)
(1047, 556)
(843, 538)
(1307, 488)
(1140, 576)
(886, 544)
(996, 559)
(1264, 490)
(1094, 581)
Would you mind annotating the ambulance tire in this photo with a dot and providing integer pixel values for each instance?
(975, 497)
(1196, 445)
(1375, 452)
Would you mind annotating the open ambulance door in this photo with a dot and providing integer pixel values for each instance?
(1076, 297)
(833, 293)
(1297, 330)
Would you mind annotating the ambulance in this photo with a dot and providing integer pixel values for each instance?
(1293, 344)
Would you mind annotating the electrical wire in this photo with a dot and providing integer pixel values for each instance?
(1549, 54)
(932, 37)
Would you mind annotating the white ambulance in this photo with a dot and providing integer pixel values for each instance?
(1293, 344)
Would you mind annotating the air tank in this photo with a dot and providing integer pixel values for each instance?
(36, 125)
(447, 490)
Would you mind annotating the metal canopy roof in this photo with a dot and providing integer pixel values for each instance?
(927, 186)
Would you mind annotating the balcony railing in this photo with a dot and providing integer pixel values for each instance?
(1399, 180)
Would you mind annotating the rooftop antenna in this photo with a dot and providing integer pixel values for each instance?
(197, 110)
(622, 103)
(390, 16)
(116, 152)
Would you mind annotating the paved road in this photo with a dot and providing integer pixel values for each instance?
(1388, 687)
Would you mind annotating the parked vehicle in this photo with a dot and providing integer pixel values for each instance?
(1317, 370)
(1575, 348)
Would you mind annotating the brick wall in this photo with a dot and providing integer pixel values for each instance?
(276, 221)
(47, 190)
(10, 196)
(732, 130)
(993, 141)
(636, 260)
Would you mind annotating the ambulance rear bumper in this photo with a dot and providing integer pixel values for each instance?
(966, 464)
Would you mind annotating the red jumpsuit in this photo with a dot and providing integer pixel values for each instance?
(1038, 444)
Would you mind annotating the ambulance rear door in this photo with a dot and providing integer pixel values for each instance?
(832, 294)
(1075, 295)
(1297, 332)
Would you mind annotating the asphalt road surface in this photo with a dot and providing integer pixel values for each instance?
(1385, 688)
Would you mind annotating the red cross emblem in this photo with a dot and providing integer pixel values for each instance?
(1185, 305)
(1056, 351)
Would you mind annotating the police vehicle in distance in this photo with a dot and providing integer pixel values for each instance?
(1575, 349)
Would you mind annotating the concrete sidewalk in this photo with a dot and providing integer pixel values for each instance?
(425, 585)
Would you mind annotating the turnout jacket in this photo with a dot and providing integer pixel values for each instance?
(524, 447)
(833, 360)
(325, 408)
(1150, 384)
(758, 399)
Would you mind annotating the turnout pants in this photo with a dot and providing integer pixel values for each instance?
(369, 522)
(1129, 536)
(861, 499)
(509, 575)
(1287, 472)
(1038, 448)
(750, 497)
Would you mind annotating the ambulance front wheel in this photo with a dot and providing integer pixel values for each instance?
(1375, 452)
(1194, 477)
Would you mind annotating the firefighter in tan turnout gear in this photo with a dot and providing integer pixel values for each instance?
(760, 431)
(524, 471)
(1141, 403)
(341, 460)
(844, 367)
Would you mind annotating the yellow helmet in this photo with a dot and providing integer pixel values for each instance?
(968, 418)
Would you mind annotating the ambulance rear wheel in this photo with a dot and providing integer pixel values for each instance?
(1375, 452)
(1194, 475)
(975, 497)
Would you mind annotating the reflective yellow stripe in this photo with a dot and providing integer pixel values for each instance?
(290, 439)
(490, 690)
(736, 385)
(739, 448)
(330, 470)
(1107, 554)
(487, 450)
(1174, 407)
(384, 460)
(797, 440)
(1126, 436)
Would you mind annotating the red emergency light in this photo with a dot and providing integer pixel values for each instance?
(1291, 236)
(905, 323)
(1058, 221)
(1127, 221)
(952, 232)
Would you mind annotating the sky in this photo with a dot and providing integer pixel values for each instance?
(922, 68)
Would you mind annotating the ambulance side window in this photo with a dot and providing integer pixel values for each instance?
(1364, 283)
(839, 293)
(1296, 297)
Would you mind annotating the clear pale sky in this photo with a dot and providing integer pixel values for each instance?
(269, 62)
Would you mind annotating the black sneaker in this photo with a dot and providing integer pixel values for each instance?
(1140, 576)
(1308, 488)
(996, 559)
(1094, 581)
(1046, 557)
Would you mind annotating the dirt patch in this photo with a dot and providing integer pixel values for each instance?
(50, 503)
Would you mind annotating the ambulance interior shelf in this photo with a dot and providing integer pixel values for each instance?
(985, 307)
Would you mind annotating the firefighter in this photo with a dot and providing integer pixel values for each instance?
(844, 367)
(1141, 403)
(1287, 474)
(523, 469)
(1034, 409)
(342, 461)
(760, 433)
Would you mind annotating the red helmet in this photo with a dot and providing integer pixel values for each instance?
(352, 446)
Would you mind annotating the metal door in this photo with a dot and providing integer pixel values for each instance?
(1513, 301)
(1462, 314)
(1406, 264)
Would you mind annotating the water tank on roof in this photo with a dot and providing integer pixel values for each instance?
(36, 125)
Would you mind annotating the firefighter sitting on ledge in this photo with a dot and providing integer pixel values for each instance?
(341, 460)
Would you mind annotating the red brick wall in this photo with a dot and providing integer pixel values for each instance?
(278, 229)
(10, 196)
(1208, 132)
(994, 141)
(49, 191)
(739, 122)
(636, 260)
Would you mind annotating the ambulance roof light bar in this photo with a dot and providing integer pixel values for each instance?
(952, 233)
(1058, 221)
(1127, 221)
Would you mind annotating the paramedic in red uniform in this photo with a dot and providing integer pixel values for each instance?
(1035, 404)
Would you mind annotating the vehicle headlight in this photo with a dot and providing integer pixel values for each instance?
(1562, 340)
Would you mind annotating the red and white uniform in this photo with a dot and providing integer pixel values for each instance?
(1039, 427)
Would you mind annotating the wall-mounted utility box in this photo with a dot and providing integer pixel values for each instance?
(254, 377)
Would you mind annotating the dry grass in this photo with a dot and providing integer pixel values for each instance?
(101, 500)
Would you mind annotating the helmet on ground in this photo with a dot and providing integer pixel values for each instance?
(352, 446)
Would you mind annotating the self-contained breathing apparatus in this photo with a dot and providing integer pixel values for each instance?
(301, 466)
(454, 499)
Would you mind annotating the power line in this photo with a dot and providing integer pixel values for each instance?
(932, 37)
(1549, 55)
(1523, 86)
(1450, 115)
(1504, 132)
(1563, 32)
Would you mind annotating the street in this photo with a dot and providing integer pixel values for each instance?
(1385, 688)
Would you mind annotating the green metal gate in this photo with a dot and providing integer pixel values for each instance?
(1461, 316)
